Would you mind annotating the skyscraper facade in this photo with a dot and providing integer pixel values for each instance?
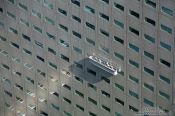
(44, 50)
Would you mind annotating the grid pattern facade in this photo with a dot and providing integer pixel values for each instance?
(44, 44)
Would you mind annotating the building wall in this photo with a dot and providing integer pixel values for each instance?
(44, 45)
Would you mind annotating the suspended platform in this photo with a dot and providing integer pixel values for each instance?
(104, 65)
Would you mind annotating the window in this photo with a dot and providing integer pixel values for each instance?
(11, 15)
(164, 95)
(120, 87)
(5, 66)
(65, 58)
(166, 28)
(4, 79)
(66, 86)
(134, 31)
(40, 58)
(9, 106)
(47, 4)
(119, 40)
(134, 94)
(13, 30)
(90, 26)
(1, 10)
(76, 18)
(133, 108)
(149, 55)
(78, 50)
(91, 72)
(30, 80)
(3, 38)
(52, 65)
(18, 73)
(78, 79)
(104, 16)
(55, 106)
(36, 14)
(135, 14)
(19, 87)
(51, 51)
(119, 101)
(90, 41)
(149, 38)
(150, 3)
(134, 63)
(118, 56)
(8, 93)
(63, 27)
(92, 101)
(149, 87)
(92, 114)
(133, 79)
(79, 93)
(49, 20)
(63, 43)
(92, 86)
(165, 63)
(67, 113)
(104, 49)
(66, 100)
(103, 32)
(38, 29)
(119, 7)
(78, 65)
(39, 44)
(76, 34)
(16, 60)
(52, 78)
(62, 11)
(150, 21)
(117, 114)
(105, 1)
(133, 47)
(29, 66)
(118, 23)
(50, 36)
(11, 1)
(76, 2)
(165, 46)
(65, 72)
(55, 94)
(148, 102)
(164, 79)
(41, 73)
(27, 51)
(105, 79)
(1, 24)
(105, 93)
(43, 113)
(26, 37)
(80, 107)
(165, 110)
(40, 85)
(89, 9)
(105, 108)
(167, 11)
(149, 71)
(14, 45)
(19, 99)
(22, 6)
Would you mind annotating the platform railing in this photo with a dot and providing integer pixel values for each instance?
(112, 68)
